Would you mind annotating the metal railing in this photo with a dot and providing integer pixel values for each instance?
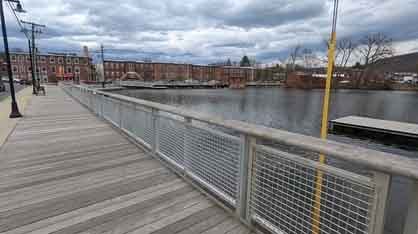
(260, 172)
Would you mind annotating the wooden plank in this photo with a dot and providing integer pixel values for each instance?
(55, 207)
(130, 220)
(15, 183)
(123, 219)
(239, 230)
(205, 224)
(66, 220)
(48, 193)
(172, 218)
(223, 227)
(188, 221)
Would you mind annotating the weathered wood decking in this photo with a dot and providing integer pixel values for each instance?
(63, 170)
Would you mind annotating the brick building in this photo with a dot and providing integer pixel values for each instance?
(50, 67)
(154, 71)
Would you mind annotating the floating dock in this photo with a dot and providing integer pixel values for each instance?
(169, 85)
(385, 130)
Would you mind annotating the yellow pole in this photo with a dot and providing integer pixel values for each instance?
(316, 217)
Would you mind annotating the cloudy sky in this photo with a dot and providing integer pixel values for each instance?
(204, 31)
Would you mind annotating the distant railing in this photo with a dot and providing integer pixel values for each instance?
(267, 176)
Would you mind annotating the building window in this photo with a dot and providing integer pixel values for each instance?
(60, 60)
(20, 58)
(53, 69)
(13, 58)
(37, 70)
(27, 58)
(76, 61)
(29, 69)
(69, 70)
(43, 59)
(68, 60)
(51, 60)
(15, 69)
(43, 69)
(77, 70)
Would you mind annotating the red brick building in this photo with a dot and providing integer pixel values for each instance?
(154, 71)
(50, 67)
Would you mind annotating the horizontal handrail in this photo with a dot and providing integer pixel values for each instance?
(375, 160)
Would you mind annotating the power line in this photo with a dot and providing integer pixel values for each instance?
(22, 28)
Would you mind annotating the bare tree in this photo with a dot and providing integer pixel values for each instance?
(293, 56)
(374, 47)
(345, 49)
(308, 58)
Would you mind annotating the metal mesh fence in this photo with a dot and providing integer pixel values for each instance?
(214, 158)
(129, 120)
(111, 110)
(283, 195)
(95, 103)
(283, 180)
(171, 140)
(143, 125)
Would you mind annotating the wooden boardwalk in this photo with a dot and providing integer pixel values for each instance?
(63, 170)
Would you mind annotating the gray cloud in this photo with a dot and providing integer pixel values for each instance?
(207, 31)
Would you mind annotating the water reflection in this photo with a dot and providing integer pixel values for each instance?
(291, 109)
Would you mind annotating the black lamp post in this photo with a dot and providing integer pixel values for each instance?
(15, 109)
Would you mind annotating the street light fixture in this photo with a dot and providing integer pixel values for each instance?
(15, 109)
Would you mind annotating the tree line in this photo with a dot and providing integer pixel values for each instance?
(366, 51)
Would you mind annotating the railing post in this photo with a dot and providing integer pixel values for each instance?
(245, 173)
(382, 182)
(411, 222)
(155, 140)
(120, 113)
(102, 99)
(90, 100)
(187, 124)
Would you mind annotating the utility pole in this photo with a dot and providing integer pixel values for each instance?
(316, 212)
(32, 71)
(102, 55)
(15, 109)
(35, 28)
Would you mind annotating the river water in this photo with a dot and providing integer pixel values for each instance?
(300, 111)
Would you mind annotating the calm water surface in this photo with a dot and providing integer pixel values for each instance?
(300, 111)
(294, 110)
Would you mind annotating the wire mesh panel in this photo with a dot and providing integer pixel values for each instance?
(110, 110)
(129, 119)
(171, 139)
(142, 126)
(283, 195)
(96, 100)
(214, 158)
